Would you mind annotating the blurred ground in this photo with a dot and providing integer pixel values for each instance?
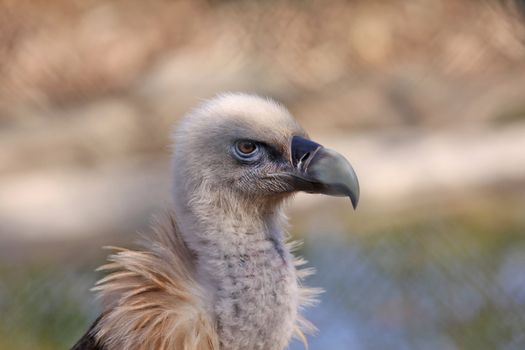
(427, 99)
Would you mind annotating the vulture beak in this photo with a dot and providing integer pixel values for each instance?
(322, 170)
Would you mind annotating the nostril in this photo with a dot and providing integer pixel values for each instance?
(302, 150)
(304, 157)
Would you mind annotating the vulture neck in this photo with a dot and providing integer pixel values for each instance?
(245, 266)
(222, 227)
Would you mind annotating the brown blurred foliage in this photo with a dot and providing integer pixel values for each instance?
(63, 52)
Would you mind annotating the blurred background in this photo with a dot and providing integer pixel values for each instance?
(425, 97)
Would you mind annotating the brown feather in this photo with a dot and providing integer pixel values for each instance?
(151, 299)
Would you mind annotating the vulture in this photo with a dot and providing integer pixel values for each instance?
(216, 271)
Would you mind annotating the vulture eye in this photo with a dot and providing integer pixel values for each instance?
(246, 147)
(246, 150)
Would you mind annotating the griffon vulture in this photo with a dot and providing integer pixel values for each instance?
(216, 272)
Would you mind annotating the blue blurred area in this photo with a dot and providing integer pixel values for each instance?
(437, 289)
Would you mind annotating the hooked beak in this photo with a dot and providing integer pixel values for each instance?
(322, 170)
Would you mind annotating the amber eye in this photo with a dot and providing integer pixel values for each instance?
(246, 148)
(247, 151)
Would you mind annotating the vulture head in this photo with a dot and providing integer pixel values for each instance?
(240, 149)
